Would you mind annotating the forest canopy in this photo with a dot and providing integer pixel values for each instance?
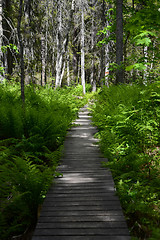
(101, 42)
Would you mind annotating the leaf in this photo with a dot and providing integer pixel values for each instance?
(136, 66)
(140, 66)
(130, 67)
(144, 38)
(145, 41)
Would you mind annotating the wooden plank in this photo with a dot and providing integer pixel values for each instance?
(80, 212)
(81, 191)
(56, 187)
(77, 195)
(81, 238)
(81, 232)
(73, 208)
(85, 225)
(79, 199)
(113, 216)
(84, 203)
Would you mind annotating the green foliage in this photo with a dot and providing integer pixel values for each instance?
(128, 119)
(11, 47)
(1, 70)
(31, 141)
(143, 38)
(27, 186)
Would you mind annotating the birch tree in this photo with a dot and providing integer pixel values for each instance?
(93, 33)
(82, 47)
(64, 20)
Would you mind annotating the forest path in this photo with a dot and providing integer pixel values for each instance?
(82, 205)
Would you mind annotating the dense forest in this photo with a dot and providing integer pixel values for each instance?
(55, 56)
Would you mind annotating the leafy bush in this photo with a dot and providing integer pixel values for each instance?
(128, 118)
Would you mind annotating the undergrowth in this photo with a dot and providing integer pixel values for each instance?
(128, 119)
(31, 142)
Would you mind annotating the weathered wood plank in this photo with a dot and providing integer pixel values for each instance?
(77, 195)
(79, 213)
(113, 216)
(85, 225)
(73, 203)
(81, 238)
(80, 199)
(81, 232)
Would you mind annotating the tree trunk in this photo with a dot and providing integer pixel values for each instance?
(93, 79)
(8, 34)
(62, 73)
(1, 39)
(82, 48)
(59, 63)
(43, 62)
(75, 49)
(68, 71)
(102, 59)
(145, 72)
(107, 53)
(119, 41)
(60, 48)
(21, 49)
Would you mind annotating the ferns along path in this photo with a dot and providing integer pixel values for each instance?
(82, 204)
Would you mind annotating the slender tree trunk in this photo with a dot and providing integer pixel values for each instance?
(62, 73)
(1, 38)
(60, 48)
(82, 48)
(126, 79)
(68, 71)
(59, 63)
(145, 53)
(21, 49)
(43, 62)
(93, 79)
(102, 59)
(75, 59)
(119, 41)
(107, 53)
(9, 29)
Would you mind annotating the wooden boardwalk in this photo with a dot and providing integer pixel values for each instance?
(82, 205)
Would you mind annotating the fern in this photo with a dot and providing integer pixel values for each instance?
(128, 120)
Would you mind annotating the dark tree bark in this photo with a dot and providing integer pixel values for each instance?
(119, 41)
(21, 49)
(1, 32)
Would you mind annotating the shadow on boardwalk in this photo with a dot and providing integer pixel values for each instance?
(83, 203)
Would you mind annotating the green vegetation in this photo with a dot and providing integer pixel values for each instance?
(31, 142)
(128, 118)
